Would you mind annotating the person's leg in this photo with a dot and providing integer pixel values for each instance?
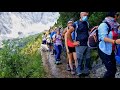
(56, 52)
(87, 60)
(68, 66)
(70, 61)
(75, 59)
(79, 51)
(110, 64)
(59, 52)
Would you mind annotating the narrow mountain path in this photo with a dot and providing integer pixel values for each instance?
(59, 71)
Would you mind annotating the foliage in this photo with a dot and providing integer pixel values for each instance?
(94, 18)
(21, 58)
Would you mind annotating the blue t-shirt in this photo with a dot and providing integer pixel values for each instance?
(52, 33)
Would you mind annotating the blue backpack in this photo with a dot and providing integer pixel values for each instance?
(117, 54)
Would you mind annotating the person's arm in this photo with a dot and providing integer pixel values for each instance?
(66, 43)
(93, 28)
(65, 30)
(103, 33)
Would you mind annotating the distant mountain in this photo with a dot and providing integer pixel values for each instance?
(26, 22)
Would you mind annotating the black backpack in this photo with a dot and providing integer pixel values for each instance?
(93, 40)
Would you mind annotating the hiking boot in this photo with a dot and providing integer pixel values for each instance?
(68, 67)
(72, 72)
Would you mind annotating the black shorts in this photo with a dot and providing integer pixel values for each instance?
(71, 49)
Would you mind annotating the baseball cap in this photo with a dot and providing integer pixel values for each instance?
(70, 21)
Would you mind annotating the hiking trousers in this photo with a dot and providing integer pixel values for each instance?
(83, 53)
(109, 62)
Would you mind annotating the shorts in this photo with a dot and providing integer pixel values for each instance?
(71, 49)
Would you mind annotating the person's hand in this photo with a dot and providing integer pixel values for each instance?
(76, 43)
(118, 41)
(67, 51)
(96, 26)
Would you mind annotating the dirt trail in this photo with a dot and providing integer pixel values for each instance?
(53, 70)
(59, 71)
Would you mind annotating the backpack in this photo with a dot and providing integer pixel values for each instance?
(93, 37)
(117, 54)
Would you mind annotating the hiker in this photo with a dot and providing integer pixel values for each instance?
(108, 35)
(70, 22)
(57, 39)
(70, 47)
(44, 38)
(51, 35)
(81, 29)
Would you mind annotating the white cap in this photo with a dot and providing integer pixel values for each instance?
(70, 21)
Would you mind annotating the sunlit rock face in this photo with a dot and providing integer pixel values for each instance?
(21, 24)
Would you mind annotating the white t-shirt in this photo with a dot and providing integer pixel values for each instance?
(43, 37)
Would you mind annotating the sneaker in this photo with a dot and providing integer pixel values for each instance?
(79, 74)
(68, 67)
(57, 62)
(72, 72)
(86, 72)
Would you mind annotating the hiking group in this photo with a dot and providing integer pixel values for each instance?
(77, 39)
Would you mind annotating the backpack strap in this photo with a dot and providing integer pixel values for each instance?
(108, 27)
(76, 23)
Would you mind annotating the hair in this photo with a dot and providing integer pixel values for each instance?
(111, 14)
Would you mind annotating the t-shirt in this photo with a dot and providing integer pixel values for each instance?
(58, 39)
(43, 37)
(82, 32)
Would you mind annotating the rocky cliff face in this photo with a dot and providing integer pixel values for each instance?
(11, 23)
